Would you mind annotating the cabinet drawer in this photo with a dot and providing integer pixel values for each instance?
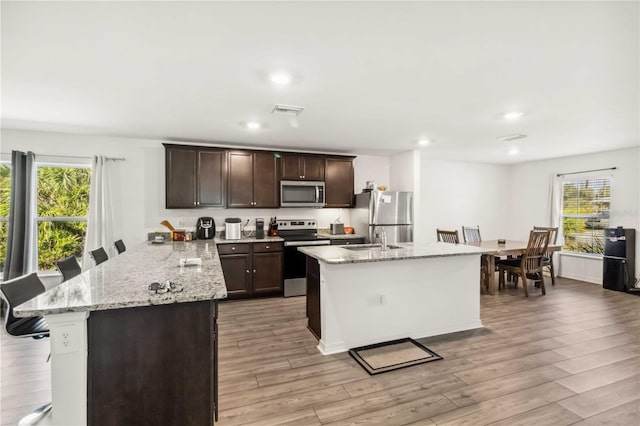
(267, 247)
(232, 248)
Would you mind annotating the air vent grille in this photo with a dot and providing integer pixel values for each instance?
(513, 137)
(287, 109)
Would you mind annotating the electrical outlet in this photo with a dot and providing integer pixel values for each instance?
(66, 339)
(181, 222)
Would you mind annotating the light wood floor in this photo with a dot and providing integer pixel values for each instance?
(570, 357)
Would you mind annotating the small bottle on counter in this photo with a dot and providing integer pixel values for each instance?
(188, 236)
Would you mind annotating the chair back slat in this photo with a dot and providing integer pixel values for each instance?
(120, 246)
(553, 236)
(471, 234)
(448, 236)
(536, 249)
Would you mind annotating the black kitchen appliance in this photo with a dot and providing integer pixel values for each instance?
(297, 233)
(259, 228)
(618, 271)
(205, 228)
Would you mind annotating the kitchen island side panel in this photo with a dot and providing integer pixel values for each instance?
(366, 303)
(152, 365)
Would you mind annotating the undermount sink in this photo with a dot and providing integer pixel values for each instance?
(371, 247)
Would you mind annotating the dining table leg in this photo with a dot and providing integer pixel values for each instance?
(491, 266)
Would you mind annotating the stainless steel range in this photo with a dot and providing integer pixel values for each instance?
(297, 233)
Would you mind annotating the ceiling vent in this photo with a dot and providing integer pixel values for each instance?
(513, 137)
(287, 109)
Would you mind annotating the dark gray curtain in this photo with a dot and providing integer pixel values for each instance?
(21, 237)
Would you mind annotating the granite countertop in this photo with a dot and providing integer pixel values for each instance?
(266, 239)
(123, 281)
(341, 254)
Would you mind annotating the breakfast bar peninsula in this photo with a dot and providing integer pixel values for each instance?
(361, 295)
(122, 354)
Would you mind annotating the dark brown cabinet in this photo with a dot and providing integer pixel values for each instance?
(313, 297)
(302, 167)
(252, 269)
(253, 179)
(338, 177)
(195, 177)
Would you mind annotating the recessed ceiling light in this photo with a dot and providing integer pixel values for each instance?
(281, 78)
(253, 125)
(512, 115)
(424, 142)
(514, 151)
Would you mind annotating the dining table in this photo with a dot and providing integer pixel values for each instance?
(502, 248)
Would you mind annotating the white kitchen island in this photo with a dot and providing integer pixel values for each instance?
(358, 296)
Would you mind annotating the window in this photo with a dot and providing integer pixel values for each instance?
(62, 210)
(585, 214)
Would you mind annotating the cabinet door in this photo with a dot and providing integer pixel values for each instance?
(265, 180)
(267, 272)
(313, 168)
(211, 178)
(291, 167)
(339, 182)
(240, 179)
(237, 274)
(180, 169)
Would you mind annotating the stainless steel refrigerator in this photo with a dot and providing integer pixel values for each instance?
(391, 210)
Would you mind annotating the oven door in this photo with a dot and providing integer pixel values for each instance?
(295, 266)
(301, 194)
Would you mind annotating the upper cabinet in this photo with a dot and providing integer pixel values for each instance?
(302, 167)
(198, 176)
(253, 179)
(195, 177)
(338, 176)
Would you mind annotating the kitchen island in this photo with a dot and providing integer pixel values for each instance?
(122, 354)
(361, 295)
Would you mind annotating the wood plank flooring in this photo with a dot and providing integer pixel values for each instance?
(570, 357)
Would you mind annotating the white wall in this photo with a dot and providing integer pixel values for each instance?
(456, 194)
(529, 201)
(139, 181)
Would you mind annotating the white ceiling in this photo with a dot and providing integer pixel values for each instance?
(373, 77)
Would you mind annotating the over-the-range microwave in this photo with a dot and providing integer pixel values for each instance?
(294, 193)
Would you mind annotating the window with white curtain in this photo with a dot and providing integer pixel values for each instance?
(63, 208)
(585, 214)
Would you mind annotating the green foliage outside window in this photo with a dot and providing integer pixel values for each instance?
(585, 211)
(63, 192)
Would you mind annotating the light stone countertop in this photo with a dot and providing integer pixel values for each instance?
(123, 280)
(346, 254)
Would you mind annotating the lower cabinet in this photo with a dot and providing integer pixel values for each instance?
(252, 269)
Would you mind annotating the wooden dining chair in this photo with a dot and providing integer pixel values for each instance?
(471, 234)
(547, 260)
(448, 236)
(529, 265)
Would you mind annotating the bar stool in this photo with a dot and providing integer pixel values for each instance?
(16, 292)
(99, 255)
(68, 267)
(120, 246)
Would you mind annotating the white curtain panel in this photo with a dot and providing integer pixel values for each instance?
(555, 213)
(100, 223)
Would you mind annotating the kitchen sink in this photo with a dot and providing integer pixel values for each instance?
(371, 247)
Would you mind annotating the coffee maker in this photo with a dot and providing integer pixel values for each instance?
(205, 228)
(259, 228)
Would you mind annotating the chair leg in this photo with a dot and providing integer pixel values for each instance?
(523, 274)
(553, 275)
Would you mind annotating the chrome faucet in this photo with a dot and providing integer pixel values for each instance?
(382, 235)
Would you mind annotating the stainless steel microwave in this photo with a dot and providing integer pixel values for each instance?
(294, 193)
